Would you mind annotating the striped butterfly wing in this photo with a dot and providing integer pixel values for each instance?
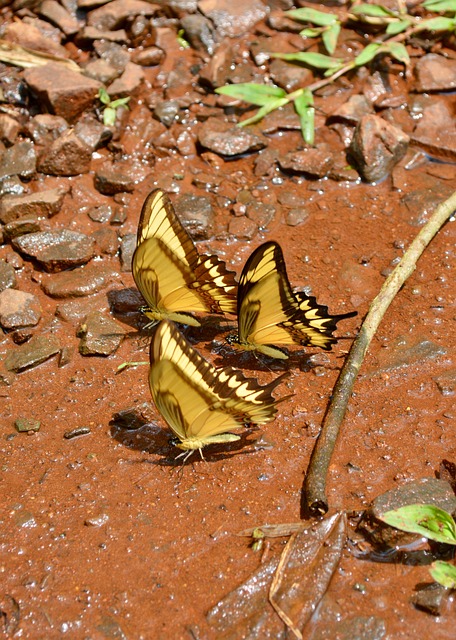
(170, 274)
(211, 401)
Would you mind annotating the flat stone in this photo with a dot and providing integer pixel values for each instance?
(117, 56)
(432, 598)
(447, 382)
(18, 309)
(58, 15)
(353, 110)
(114, 14)
(199, 32)
(37, 350)
(28, 35)
(92, 33)
(74, 311)
(167, 112)
(42, 204)
(125, 301)
(100, 335)
(11, 185)
(24, 425)
(68, 155)
(84, 281)
(233, 18)
(21, 227)
(197, 215)
(106, 241)
(293, 217)
(435, 132)
(45, 127)
(93, 133)
(112, 178)
(377, 146)
(56, 250)
(435, 73)
(227, 139)
(262, 214)
(101, 71)
(127, 247)
(406, 351)
(9, 128)
(129, 83)
(18, 160)
(65, 92)
(314, 162)
(242, 228)
(7, 276)
(289, 76)
(148, 57)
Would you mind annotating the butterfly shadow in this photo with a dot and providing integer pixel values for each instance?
(229, 357)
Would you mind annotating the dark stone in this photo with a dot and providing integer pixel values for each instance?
(197, 215)
(68, 155)
(233, 18)
(18, 160)
(315, 162)
(447, 382)
(22, 227)
(45, 127)
(100, 335)
(39, 204)
(227, 139)
(56, 250)
(119, 177)
(435, 73)
(199, 32)
(37, 350)
(431, 598)
(353, 110)
(93, 133)
(114, 14)
(7, 276)
(167, 112)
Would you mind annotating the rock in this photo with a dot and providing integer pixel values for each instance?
(40, 204)
(101, 213)
(127, 247)
(18, 309)
(65, 92)
(199, 32)
(21, 227)
(58, 15)
(9, 128)
(167, 112)
(44, 128)
(7, 276)
(92, 33)
(226, 139)
(265, 161)
(289, 76)
(11, 185)
(93, 133)
(435, 73)
(114, 14)
(293, 217)
(447, 382)
(74, 311)
(106, 241)
(78, 282)
(129, 83)
(217, 70)
(25, 425)
(431, 598)
(113, 178)
(37, 350)
(56, 250)
(125, 301)
(435, 132)
(405, 351)
(28, 35)
(135, 417)
(68, 155)
(97, 521)
(242, 228)
(423, 491)
(148, 57)
(18, 160)
(100, 335)
(360, 628)
(197, 215)
(185, 143)
(356, 107)
(421, 203)
(113, 53)
(233, 18)
(376, 147)
(262, 214)
(315, 162)
(101, 71)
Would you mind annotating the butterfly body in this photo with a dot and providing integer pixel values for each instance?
(172, 277)
(271, 313)
(202, 404)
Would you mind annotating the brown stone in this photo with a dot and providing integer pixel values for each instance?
(42, 204)
(67, 156)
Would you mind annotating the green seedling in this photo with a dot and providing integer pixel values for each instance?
(110, 110)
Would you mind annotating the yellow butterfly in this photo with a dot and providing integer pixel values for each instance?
(269, 312)
(200, 403)
(172, 277)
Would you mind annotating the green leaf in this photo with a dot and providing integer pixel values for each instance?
(440, 5)
(109, 116)
(329, 37)
(306, 112)
(444, 573)
(259, 94)
(372, 10)
(103, 96)
(181, 39)
(317, 60)
(397, 26)
(310, 32)
(267, 108)
(367, 54)
(398, 52)
(312, 15)
(437, 24)
(120, 102)
(424, 519)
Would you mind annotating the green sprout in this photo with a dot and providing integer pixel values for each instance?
(110, 110)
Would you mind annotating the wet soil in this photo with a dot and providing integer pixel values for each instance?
(106, 535)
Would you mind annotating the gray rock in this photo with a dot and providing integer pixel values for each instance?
(127, 247)
(68, 155)
(148, 57)
(114, 14)
(262, 214)
(101, 71)
(424, 491)
(233, 18)
(421, 203)
(435, 73)
(80, 282)
(293, 217)
(406, 351)
(18, 309)
(118, 177)
(447, 382)
(432, 598)
(21, 227)
(93, 133)
(353, 110)
(56, 250)
(40, 204)
(113, 53)
(65, 92)
(58, 15)
(129, 83)
(100, 335)
(25, 425)
(377, 146)
(197, 214)
(242, 228)
(32, 353)
(226, 139)
(92, 33)
(11, 185)
(315, 162)
(199, 32)
(106, 241)
(9, 128)
(167, 112)
(435, 132)
(289, 76)
(45, 127)
(97, 521)
(18, 160)
(74, 311)
(101, 213)
(7, 276)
